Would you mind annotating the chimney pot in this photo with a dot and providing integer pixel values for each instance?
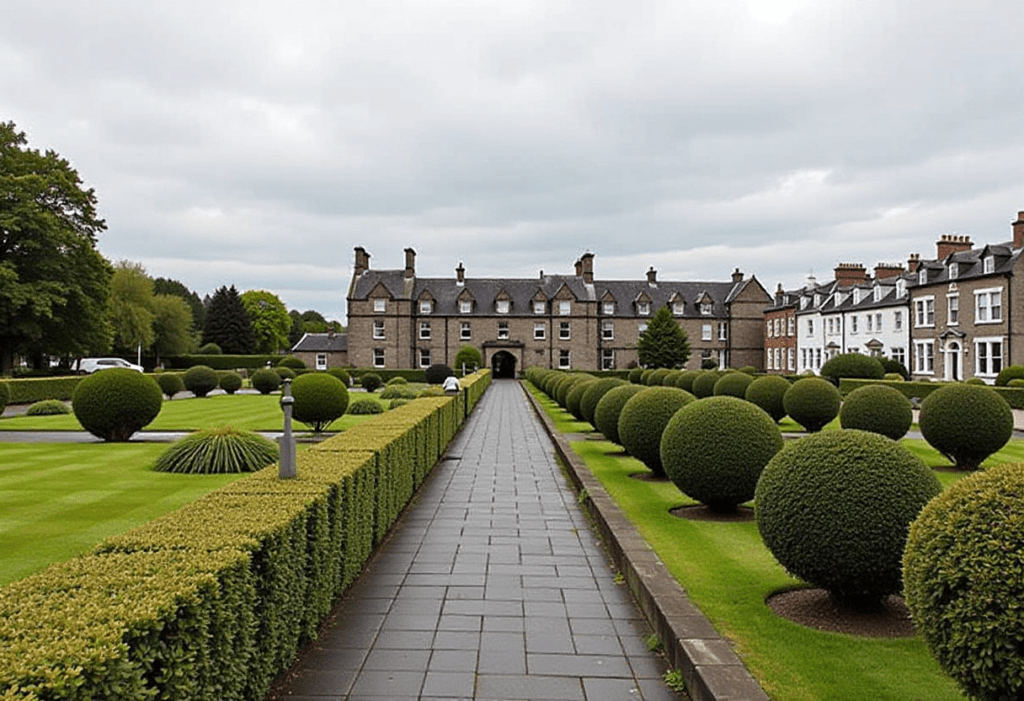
(652, 276)
(410, 263)
(362, 261)
(587, 260)
(460, 274)
(737, 276)
(950, 243)
(1018, 231)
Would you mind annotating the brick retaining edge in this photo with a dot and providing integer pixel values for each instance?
(712, 670)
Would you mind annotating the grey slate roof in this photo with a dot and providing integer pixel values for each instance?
(970, 264)
(322, 343)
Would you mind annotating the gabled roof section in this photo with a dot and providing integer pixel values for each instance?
(322, 343)
(565, 292)
(380, 290)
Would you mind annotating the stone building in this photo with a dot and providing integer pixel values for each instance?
(322, 351)
(399, 320)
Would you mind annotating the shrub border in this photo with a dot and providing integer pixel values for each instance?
(1014, 396)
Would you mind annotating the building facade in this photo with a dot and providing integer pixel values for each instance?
(322, 351)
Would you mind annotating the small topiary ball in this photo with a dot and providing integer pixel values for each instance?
(894, 367)
(370, 381)
(595, 391)
(975, 381)
(437, 373)
(767, 393)
(1015, 382)
(1010, 372)
(894, 377)
(285, 372)
(170, 383)
(566, 384)
(5, 395)
(48, 407)
(398, 380)
(852, 365)
(116, 403)
(320, 399)
(879, 409)
(209, 349)
(341, 374)
(230, 382)
(200, 380)
(574, 398)
(217, 451)
(657, 378)
(606, 414)
(812, 402)
(963, 573)
(634, 375)
(714, 450)
(643, 419)
(469, 358)
(834, 509)
(684, 380)
(398, 392)
(365, 405)
(704, 384)
(265, 380)
(966, 423)
(290, 361)
(732, 384)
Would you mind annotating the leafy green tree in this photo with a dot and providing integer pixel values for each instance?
(54, 284)
(131, 307)
(227, 323)
(270, 320)
(172, 326)
(167, 286)
(296, 330)
(664, 344)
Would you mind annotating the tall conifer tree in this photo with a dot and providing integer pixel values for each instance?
(228, 324)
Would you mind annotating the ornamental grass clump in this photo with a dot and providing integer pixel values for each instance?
(767, 393)
(48, 407)
(812, 402)
(170, 383)
(834, 509)
(966, 423)
(643, 419)
(217, 451)
(732, 384)
(714, 450)
(265, 381)
(200, 380)
(879, 409)
(606, 414)
(320, 399)
(963, 573)
(115, 403)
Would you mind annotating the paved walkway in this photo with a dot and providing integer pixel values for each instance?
(492, 586)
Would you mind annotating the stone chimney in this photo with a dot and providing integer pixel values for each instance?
(652, 276)
(780, 295)
(913, 261)
(887, 270)
(460, 274)
(362, 261)
(330, 331)
(849, 274)
(579, 268)
(410, 263)
(951, 243)
(587, 260)
(737, 276)
(1018, 231)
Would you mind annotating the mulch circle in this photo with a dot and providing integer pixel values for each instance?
(815, 608)
(700, 512)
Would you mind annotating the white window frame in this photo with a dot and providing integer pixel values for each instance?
(608, 307)
(425, 358)
(641, 327)
(608, 330)
(791, 326)
(564, 307)
(424, 330)
(378, 357)
(465, 306)
(899, 354)
(924, 357)
(564, 359)
(954, 271)
(379, 333)
(768, 328)
(983, 305)
(878, 322)
(678, 308)
(503, 331)
(643, 308)
(607, 359)
(853, 324)
(876, 294)
(987, 363)
(791, 358)
(924, 312)
(953, 309)
(989, 264)
(723, 330)
(502, 306)
(706, 308)
(321, 361)
(426, 306)
(705, 332)
(897, 320)
(922, 276)
(540, 331)
(564, 331)
(901, 288)
(539, 307)
(380, 304)
(465, 331)
(810, 327)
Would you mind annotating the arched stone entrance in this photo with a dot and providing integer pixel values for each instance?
(503, 365)
(953, 370)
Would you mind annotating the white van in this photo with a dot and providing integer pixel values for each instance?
(91, 365)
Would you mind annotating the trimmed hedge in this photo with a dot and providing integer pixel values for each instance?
(1014, 396)
(220, 362)
(29, 390)
(5, 394)
(212, 601)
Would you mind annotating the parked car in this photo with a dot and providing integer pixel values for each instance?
(90, 365)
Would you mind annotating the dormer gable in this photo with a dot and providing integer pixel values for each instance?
(425, 303)
(677, 303)
(503, 302)
(642, 303)
(609, 304)
(380, 291)
(705, 303)
(466, 302)
(539, 302)
(564, 293)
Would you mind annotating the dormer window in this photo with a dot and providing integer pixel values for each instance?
(877, 294)
(856, 295)
(954, 270)
(426, 306)
(922, 276)
(538, 307)
(817, 300)
(608, 307)
(678, 307)
(643, 308)
(466, 306)
(564, 307)
(705, 308)
(804, 301)
(990, 264)
(502, 306)
(901, 288)
(380, 305)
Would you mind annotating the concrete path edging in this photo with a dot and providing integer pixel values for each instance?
(712, 670)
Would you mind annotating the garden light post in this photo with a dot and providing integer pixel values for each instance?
(286, 465)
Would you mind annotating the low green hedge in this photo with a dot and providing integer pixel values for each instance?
(1014, 396)
(412, 375)
(213, 600)
(30, 390)
(221, 362)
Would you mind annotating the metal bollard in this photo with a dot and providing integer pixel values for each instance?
(286, 464)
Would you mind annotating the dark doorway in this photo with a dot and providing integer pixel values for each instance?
(503, 365)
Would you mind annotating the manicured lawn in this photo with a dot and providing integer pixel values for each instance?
(728, 573)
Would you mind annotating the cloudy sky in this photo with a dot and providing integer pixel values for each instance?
(256, 143)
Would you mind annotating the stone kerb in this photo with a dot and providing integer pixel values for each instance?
(712, 670)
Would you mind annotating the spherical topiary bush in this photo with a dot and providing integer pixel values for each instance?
(319, 400)
(963, 574)
(595, 391)
(732, 384)
(1010, 372)
(643, 419)
(370, 381)
(966, 423)
(684, 380)
(834, 509)
(767, 392)
(398, 392)
(894, 367)
(749, 369)
(714, 450)
(606, 414)
(852, 365)
(399, 380)
(341, 374)
(265, 380)
(209, 349)
(48, 407)
(200, 380)
(894, 377)
(975, 381)
(437, 373)
(230, 382)
(365, 405)
(217, 451)
(635, 374)
(116, 403)
(5, 394)
(657, 378)
(468, 358)
(645, 377)
(285, 372)
(566, 384)
(879, 409)
(290, 361)
(1015, 382)
(574, 398)
(812, 402)
(170, 383)
(704, 384)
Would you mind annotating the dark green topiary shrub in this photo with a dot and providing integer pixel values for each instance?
(645, 377)
(834, 509)
(365, 405)
(209, 349)
(966, 423)
(657, 377)
(684, 380)
(595, 391)
(975, 381)
(574, 398)
(879, 409)
(732, 384)
(812, 402)
(116, 403)
(230, 382)
(963, 573)
(170, 383)
(749, 369)
(1010, 372)
(341, 374)
(218, 451)
(1015, 382)
(399, 380)
(714, 450)
(894, 367)
(635, 374)
(369, 381)
(767, 392)
(5, 395)
(290, 361)
(48, 407)
(894, 377)
(852, 365)
(265, 380)
(398, 392)
(567, 383)
(643, 419)
(320, 399)
(285, 372)
(708, 364)
(704, 384)
(200, 380)
(606, 414)
(437, 373)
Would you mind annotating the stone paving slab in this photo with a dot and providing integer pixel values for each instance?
(491, 586)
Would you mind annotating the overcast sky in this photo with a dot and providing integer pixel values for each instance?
(256, 143)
